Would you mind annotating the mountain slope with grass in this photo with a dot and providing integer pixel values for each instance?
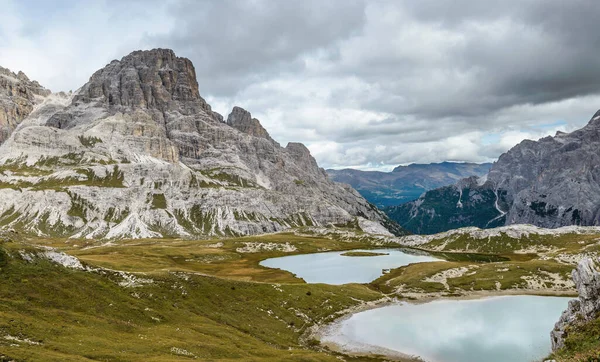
(137, 152)
(467, 203)
(171, 299)
(55, 308)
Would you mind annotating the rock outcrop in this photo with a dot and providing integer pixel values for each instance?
(242, 120)
(550, 183)
(18, 96)
(583, 309)
(137, 152)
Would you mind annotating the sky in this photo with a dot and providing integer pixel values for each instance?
(364, 84)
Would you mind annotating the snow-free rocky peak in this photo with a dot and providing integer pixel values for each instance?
(137, 152)
(550, 183)
(18, 96)
(242, 120)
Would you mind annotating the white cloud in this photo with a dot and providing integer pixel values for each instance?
(364, 84)
(61, 48)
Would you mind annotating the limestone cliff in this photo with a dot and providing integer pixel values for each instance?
(583, 309)
(242, 120)
(137, 152)
(549, 183)
(18, 96)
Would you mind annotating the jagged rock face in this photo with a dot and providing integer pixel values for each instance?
(242, 120)
(155, 79)
(406, 183)
(136, 152)
(586, 307)
(549, 183)
(552, 182)
(18, 96)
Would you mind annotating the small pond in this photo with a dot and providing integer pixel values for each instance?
(498, 329)
(335, 268)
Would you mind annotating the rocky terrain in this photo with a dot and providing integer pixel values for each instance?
(137, 152)
(18, 96)
(584, 309)
(406, 183)
(550, 183)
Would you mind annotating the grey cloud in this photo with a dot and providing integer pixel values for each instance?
(361, 82)
(527, 62)
(235, 43)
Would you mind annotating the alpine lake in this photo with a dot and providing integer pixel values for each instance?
(495, 329)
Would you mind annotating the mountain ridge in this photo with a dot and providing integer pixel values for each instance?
(137, 152)
(548, 183)
(18, 97)
(405, 183)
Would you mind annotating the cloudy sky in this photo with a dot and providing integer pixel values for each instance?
(364, 84)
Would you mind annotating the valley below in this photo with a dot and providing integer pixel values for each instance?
(178, 299)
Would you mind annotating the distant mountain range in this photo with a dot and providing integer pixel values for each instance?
(406, 183)
(550, 183)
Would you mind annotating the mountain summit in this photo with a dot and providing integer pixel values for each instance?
(242, 120)
(137, 152)
(550, 183)
(18, 96)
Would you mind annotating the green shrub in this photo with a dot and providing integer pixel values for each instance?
(159, 201)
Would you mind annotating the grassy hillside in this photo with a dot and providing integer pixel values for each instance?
(233, 258)
(582, 344)
(168, 299)
(51, 313)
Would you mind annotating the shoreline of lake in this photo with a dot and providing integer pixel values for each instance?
(333, 268)
(318, 331)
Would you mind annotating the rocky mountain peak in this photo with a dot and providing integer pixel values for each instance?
(138, 153)
(149, 79)
(242, 120)
(549, 183)
(22, 76)
(12, 84)
(299, 150)
(595, 119)
(18, 95)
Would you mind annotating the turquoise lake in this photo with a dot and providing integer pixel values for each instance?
(334, 268)
(497, 329)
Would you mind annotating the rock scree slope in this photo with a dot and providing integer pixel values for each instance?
(137, 152)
